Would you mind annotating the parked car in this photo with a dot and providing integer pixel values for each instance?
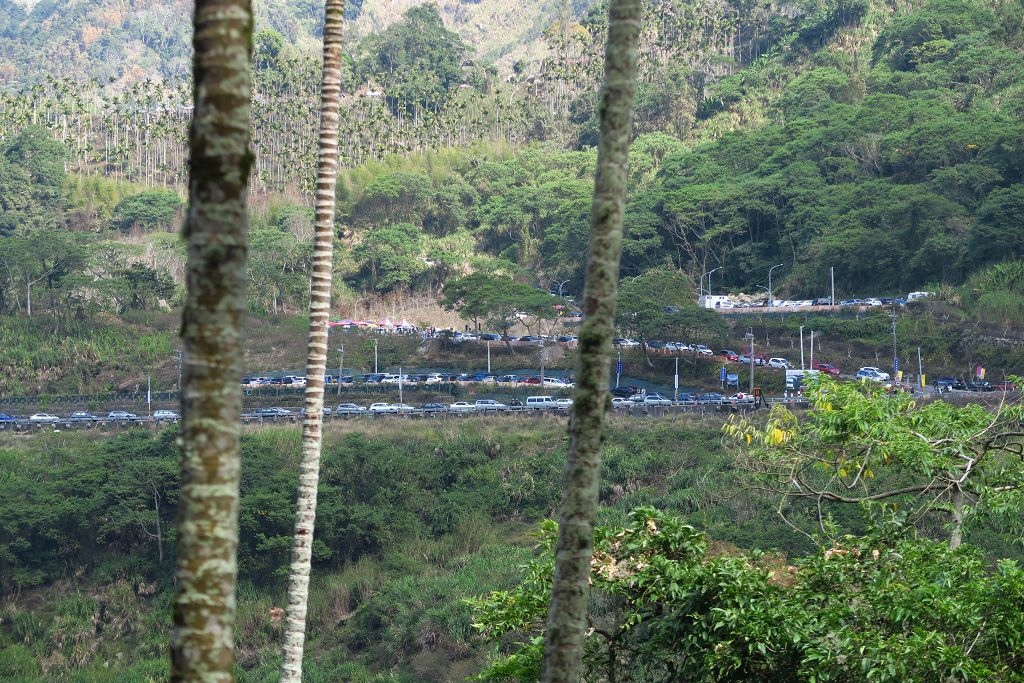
(490, 336)
(979, 385)
(381, 408)
(265, 412)
(729, 354)
(619, 402)
(710, 397)
(4, 417)
(490, 404)
(943, 384)
(434, 408)
(531, 380)
(758, 360)
(462, 407)
(781, 363)
(402, 408)
(349, 409)
(872, 374)
(652, 399)
(509, 379)
(626, 390)
(827, 368)
(79, 416)
(883, 373)
(171, 415)
(43, 417)
(563, 403)
(120, 415)
(702, 349)
(533, 338)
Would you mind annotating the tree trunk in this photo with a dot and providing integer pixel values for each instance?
(316, 358)
(567, 614)
(956, 499)
(202, 642)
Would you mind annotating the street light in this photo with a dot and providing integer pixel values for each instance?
(770, 302)
(709, 278)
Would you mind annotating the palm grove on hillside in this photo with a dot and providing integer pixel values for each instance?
(897, 165)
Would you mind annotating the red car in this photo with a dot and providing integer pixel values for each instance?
(531, 380)
(729, 355)
(827, 368)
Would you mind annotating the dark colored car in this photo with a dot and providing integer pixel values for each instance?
(79, 416)
(827, 368)
(979, 385)
(711, 397)
(4, 417)
(655, 344)
(490, 336)
(531, 338)
(625, 391)
(944, 383)
(1004, 386)
(434, 408)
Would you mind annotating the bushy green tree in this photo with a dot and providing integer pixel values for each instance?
(669, 605)
(149, 210)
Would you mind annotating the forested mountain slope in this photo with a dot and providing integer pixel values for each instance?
(884, 142)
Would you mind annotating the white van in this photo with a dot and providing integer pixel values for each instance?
(715, 301)
(540, 402)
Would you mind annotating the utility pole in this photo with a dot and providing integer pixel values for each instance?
(542, 363)
(618, 369)
(920, 371)
(341, 365)
(812, 348)
(801, 347)
(832, 297)
(895, 358)
(375, 356)
(400, 384)
(675, 396)
(149, 394)
(750, 336)
(488, 356)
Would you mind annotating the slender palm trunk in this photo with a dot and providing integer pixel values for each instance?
(316, 358)
(567, 615)
(202, 642)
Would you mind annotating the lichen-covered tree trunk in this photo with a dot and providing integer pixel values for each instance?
(567, 615)
(216, 226)
(316, 358)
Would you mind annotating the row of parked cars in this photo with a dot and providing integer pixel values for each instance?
(416, 379)
(84, 416)
(944, 384)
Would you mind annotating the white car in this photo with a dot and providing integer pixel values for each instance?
(167, 415)
(702, 349)
(462, 407)
(742, 397)
(490, 404)
(878, 371)
(652, 400)
(780, 363)
(44, 417)
(563, 403)
(434, 379)
(619, 402)
(872, 374)
(381, 408)
(403, 408)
